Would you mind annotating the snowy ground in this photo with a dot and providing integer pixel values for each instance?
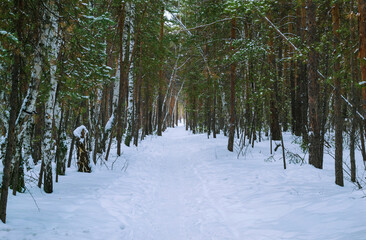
(183, 186)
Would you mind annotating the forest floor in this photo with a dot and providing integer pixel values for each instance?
(183, 186)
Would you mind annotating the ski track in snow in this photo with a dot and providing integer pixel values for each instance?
(187, 187)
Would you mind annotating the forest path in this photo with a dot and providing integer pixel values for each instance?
(168, 194)
(183, 186)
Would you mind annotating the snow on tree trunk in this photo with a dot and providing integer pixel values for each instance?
(121, 100)
(130, 103)
(52, 43)
(83, 162)
(4, 115)
(116, 88)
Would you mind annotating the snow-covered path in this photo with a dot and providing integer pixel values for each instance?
(183, 186)
(168, 193)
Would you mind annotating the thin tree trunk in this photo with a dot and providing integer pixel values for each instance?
(58, 145)
(230, 145)
(283, 152)
(73, 142)
(337, 101)
(138, 100)
(40, 177)
(214, 112)
(353, 62)
(16, 170)
(37, 136)
(121, 93)
(161, 77)
(10, 141)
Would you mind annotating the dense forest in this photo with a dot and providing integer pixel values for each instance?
(79, 75)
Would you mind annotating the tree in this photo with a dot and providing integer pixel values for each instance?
(362, 54)
(337, 100)
(232, 90)
(315, 154)
(161, 77)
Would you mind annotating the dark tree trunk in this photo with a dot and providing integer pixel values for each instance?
(315, 157)
(146, 110)
(82, 152)
(10, 147)
(121, 92)
(161, 77)
(37, 137)
(16, 173)
(274, 115)
(214, 112)
(187, 121)
(96, 138)
(337, 102)
(362, 56)
(303, 84)
(362, 53)
(138, 100)
(60, 147)
(47, 180)
(230, 145)
(354, 98)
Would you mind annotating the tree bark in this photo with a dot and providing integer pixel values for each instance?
(10, 147)
(354, 98)
(230, 145)
(161, 76)
(337, 100)
(121, 93)
(274, 113)
(83, 152)
(362, 54)
(313, 89)
(48, 151)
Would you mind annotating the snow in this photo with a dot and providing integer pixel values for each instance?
(8, 34)
(109, 124)
(77, 132)
(183, 186)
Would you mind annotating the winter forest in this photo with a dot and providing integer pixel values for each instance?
(182, 119)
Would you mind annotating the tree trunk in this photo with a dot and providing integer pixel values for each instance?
(274, 114)
(10, 147)
(362, 54)
(161, 77)
(81, 135)
(121, 92)
(48, 143)
(337, 101)
(73, 142)
(37, 136)
(138, 100)
(353, 62)
(230, 145)
(315, 158)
